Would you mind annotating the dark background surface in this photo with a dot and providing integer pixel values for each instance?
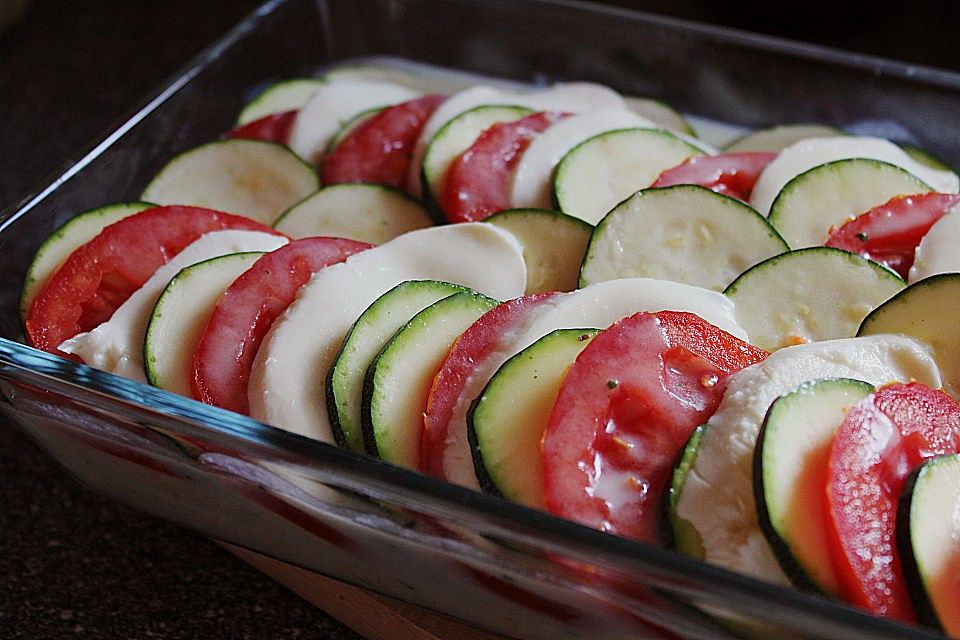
(75, 566)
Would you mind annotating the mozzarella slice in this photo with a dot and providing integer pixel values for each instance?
(533, 177)
(599, 306)
(287, 384)
(937, 252)
(811, 152)
(116, 345)
(717, 495)
(332, 105)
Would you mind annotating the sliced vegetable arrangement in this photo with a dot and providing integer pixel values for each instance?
(618, 324)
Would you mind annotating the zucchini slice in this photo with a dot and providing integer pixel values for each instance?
(77, 231)
(683, 233)
(181, 314)
(780, 137)
(660, 113)
(809, 295)
(603, 170)
(350, 125)
(251, 178)
(553, 246)
(929, 310)
(505, 424)
(686, 538)
(452, 139)
(367, 338)
(928, 527)
(830, 194)
(789, 465)
(398, 381)
(371, 213)
(282, 96)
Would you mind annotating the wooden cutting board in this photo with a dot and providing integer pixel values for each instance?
(373, 616)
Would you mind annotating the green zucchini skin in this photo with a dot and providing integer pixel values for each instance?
(682, 536)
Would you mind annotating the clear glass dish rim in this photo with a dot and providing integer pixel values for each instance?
(705, 582)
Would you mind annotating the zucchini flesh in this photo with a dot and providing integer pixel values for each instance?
(809, 295)
(780, 137)
(282, 96)
(686, 538)
(683, 233)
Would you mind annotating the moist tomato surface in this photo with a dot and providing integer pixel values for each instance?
(731, 174)
(101, 274)
(881, 441)
(625, 410)
(478, 182)
(224, 356)
(271, 128)
(379, 149)
(890, 233)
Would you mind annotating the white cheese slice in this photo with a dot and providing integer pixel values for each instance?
(117, 344)
(717, 495)
(569, 97)
(533, 176)
(596, 306)
(287, 384)
(937, 252)
(811, 152)
(332, 105)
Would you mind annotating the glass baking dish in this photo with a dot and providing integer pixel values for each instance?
(493, 564)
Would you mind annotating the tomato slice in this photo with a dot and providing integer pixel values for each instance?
(732, 174)
(624, 412)
(271, 128)
(478, 182)
(224, 356)
(379, 150)
(883, 438)
(479, 342)
(889, 233)
(101, 274)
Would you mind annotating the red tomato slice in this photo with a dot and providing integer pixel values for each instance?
(224, 356)
(100, 275)
(732, 174)
(889, 234)
(272, 128)
(475, 345)
(478, 182)
(625, 411)
(379, 149)
(883, 438)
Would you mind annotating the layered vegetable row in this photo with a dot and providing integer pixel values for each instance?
(715, 351)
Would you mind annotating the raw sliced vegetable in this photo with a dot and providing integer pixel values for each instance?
(715, 499)
(603, 170)
(662, 114)
(625, 411)
(398, 382)
(351, 125)
(478, 182)
(371, 213)
(224, 354)
(684, 233)
(930, 311)
(378, 149)
(928, 528)
(505, 424)
(77, 231)
(180, 315)
(882, 439)
(828, 195)
(730, 174)
(287, 386)
(101, 274)
(778, 138)
(684, 536)
(554, 245)
(366, 339)
(808, 295)
(256, 179)
(285, 95)
(812, 152)
(890, 233)
(790, 470)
